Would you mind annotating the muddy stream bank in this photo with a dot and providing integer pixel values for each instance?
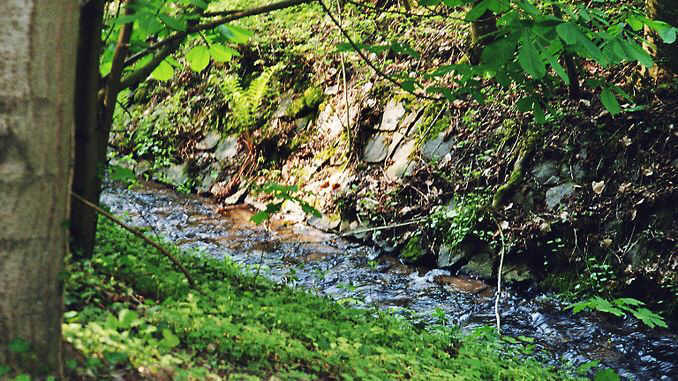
(302, 256)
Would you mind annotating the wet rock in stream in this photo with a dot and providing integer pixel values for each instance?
(302, 256)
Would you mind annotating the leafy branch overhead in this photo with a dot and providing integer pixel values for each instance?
(530, 42)
(159, 27)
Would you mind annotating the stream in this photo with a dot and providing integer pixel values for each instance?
(302, 256)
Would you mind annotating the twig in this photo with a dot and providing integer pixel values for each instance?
(349, 135)
(501, 266)
(367, 61)
(139, 234)
(366, 230)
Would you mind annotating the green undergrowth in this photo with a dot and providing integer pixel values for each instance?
(129, 310)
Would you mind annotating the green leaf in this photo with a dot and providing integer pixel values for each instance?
(568, 32)
(309, 210)
(115, 357)
(609, 100)
(221, 53)
(198, 58)
(260, 217)
(585, 367)
(664, 30)
(234, 33)
(173, 22)
(649, 318)
(264, 215)
(498, 6)
(636, 52)
(530, 61)
(478, 10)
(558, 68)
(68, 315)
(636, 22)
(529, 8)
(150, 24)
(591, 48)
(163, 72)
(628, 301)
(105, 68)
(126, 19)
(127, 318)
(121, 174)
(499, 52)
(169, 339)
(525, 104)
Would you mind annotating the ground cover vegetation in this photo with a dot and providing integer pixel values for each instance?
(131, 315)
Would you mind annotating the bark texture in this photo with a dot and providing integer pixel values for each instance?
(666, 55)
(37, 76)
(94, 125)
(90, 140)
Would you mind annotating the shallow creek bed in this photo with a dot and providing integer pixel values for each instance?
(302, 256)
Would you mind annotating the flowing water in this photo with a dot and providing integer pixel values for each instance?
(328, 265)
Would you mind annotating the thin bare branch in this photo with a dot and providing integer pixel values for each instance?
(141, 235)
(367, 61)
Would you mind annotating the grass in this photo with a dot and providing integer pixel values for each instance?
(129, 312)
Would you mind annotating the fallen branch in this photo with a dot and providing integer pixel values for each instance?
(139, 234)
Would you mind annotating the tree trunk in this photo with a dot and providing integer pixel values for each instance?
(666, 55)
(90, 141)
(482, 34)
(37, 76)
(94, 124)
